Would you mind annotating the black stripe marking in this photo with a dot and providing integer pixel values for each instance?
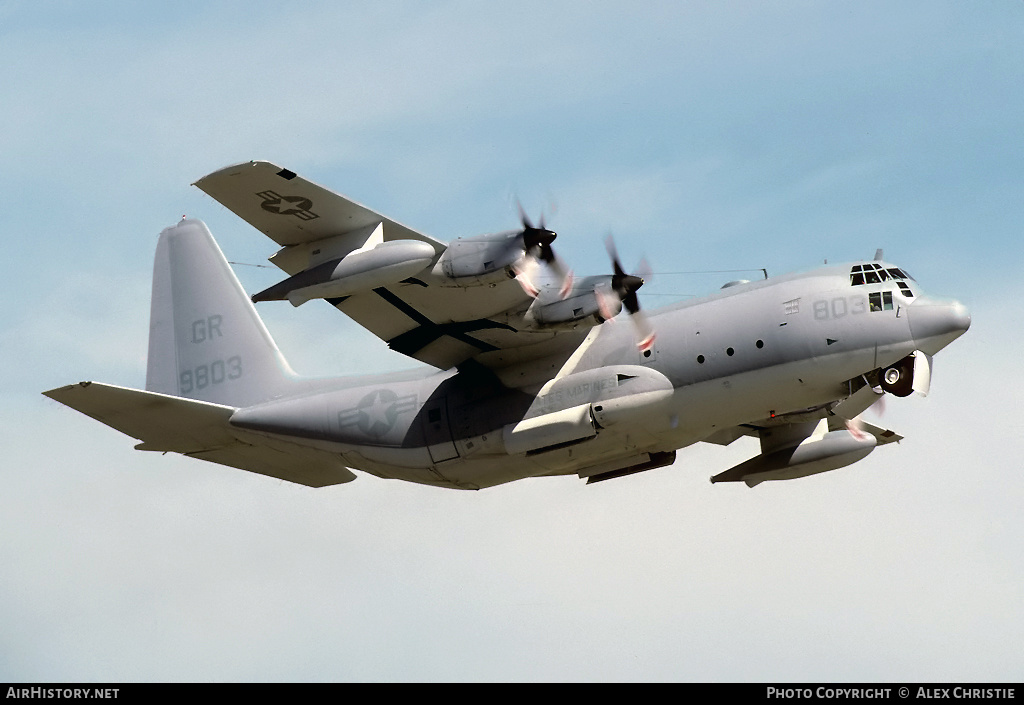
(412, 341)
(403, 306)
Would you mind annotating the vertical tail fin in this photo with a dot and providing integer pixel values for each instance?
(206, 340)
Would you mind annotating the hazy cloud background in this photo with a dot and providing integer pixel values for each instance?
(706, 136)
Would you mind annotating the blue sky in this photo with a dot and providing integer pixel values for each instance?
(704, 136)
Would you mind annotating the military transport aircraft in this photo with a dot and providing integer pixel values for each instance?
(529, 378)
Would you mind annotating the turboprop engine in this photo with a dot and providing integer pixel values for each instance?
(822, 451)
(491, 258)
(481, 259)
(591, 301)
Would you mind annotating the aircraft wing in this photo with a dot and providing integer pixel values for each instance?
(445, 326)
(200, 430)
(421, 316)
(291, 210)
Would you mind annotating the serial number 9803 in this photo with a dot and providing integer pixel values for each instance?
(216, 372)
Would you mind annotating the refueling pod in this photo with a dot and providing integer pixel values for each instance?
(385, 263)
(822, 451)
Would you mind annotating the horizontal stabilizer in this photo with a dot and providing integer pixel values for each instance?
(201, 430)
(162, 422)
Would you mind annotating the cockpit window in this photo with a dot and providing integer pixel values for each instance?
(874, 273)
(880, 301)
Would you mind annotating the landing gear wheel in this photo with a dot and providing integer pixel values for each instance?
(898, 379)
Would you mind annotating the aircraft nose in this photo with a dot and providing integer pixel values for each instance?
(935, 323)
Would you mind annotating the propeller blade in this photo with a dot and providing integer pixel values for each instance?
(537, 245)
(613, 254)
(856, 427)
(644, 332)
(628, 291)
(525, 275)
(625, 287)
(879, 406)
(567, 282)
(523, 218)
(644, 271)
(604, 303)
(876, 407)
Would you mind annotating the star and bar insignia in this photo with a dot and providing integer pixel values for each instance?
(299, 206)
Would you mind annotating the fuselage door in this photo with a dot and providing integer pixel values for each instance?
(437, 432)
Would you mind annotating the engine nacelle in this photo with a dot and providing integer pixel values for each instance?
(481, 259)
(387, 263)
(583, 306)
(568, 313)
(823, 451)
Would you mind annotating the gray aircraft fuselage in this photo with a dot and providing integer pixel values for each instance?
(748, 354)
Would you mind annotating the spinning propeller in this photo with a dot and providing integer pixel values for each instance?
(537, 245)
(625, 287)
(536, 241)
